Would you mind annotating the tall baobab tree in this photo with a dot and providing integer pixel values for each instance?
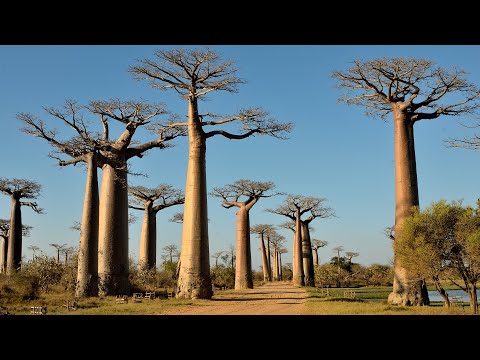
(216, 255)
(82, 148)
(59, 249)
(67, 251)
(294, 207)
(113, 205)
(171, 251)
(317, 244)
(350, 255)
(263, 230)
(281, 251)
(98, 149)
(277, 241)
(4, 233)
(18, 189)
(337, 250)
(34, 249)
(413, 90)
(193, 74)
(153, 201)
(231, 195)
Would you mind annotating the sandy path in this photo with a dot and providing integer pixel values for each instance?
(276, 298)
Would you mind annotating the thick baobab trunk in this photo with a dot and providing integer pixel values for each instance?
(3, 253)
(280, 272)
(276, 275)
(113, 233)
(14, 251)
(406, 291)
(315, 257)
(87, 275)
(148, 239)
(298, 277)
(269, 260)
(307, 256)
(264, 259)
(194, 277)
(243, 268)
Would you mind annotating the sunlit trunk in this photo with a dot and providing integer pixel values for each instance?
(243, 268)
(148, 239)
(406, 291)
(3, 253)
(269, 260)
(298, 277)
(14, 251)
(442, 292)
(87, 274)
(280, 271)
(194, 276)
(315, 257)
(307, 256)
(275, 264)
(264, 259)
(113, 232)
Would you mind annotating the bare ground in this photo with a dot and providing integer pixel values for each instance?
(276, 298)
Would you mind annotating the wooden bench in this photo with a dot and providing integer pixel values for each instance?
(121, 299)
(149, 295)
(170, 293)
(71, 304)
(137, 297)
(38, 310)
(456, 301)
(349, 294)
(324, 291)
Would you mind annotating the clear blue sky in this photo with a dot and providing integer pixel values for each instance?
(334, 151)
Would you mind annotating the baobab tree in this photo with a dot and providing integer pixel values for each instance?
(231, 195)
(171, 251)
(317, 244)
(337, 250)
(294, 207)
(67, 251)
(281, 251)
(216, 255)
(263, 230)
(193, 74)
(59, 249)
(4, 233)
(351, 254)
(153, 201)
(18, 189)
(34, 249)
(413, 90)
(97, 149)
(277, 241)
(82, 148)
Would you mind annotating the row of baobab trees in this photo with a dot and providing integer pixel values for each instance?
(411, 89)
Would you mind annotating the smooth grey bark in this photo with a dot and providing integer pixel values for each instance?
(263, 250)
(405, 291)
(3, 253)
(307, 255)
(87, 274)
(14, 250)
(148, 238)
(194, 279)
(243, 265)
(113, 231)
(298, 275)
(269, 259)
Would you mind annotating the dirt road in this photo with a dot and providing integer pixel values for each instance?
(276, 298)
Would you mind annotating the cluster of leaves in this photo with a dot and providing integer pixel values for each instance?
(352, 274)
(44, 272)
